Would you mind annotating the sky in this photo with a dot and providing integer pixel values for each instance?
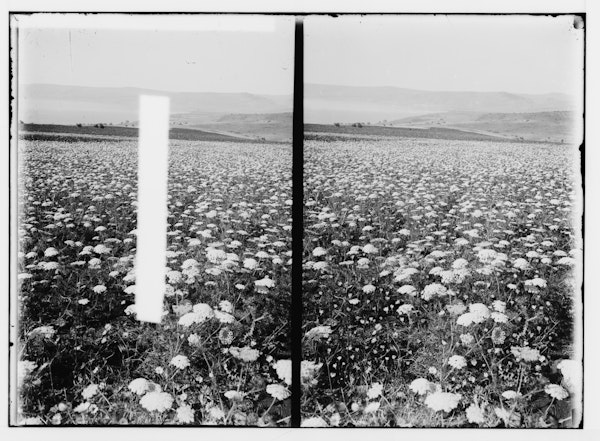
(518, 54)
(203, 54)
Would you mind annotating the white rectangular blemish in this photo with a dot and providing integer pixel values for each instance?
(153, 151)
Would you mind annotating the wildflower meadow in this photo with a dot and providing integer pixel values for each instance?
(442, 283)
(221, 355)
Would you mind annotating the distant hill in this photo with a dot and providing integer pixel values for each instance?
(328, 104)
(554, 126)
(56, 104)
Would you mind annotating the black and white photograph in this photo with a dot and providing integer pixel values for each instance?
(300, 221)
(220, 352)
(442, 222)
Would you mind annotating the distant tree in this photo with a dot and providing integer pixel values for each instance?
(336, 124)
(78, 125)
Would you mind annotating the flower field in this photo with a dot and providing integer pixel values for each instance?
(441, 284)
(221, 354)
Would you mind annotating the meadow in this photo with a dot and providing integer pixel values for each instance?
(441, 283)
(221, 354)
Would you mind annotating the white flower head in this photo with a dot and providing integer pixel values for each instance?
(89, 391)
(180, 361)
(420, 386)
(375, 391)
(278, 391)
(442, 401)
(156, 401)
(139, 386)
(185, 414)
(457, 361)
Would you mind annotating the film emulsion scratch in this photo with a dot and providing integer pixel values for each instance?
(220, 353)
(442, 228)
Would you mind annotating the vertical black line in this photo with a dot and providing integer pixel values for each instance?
(13, 120)
(297, 221)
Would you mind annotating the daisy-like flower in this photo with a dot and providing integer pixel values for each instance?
(534, 285)
(156, 401)
(25, 368)
(278, 391)
(189, 263)
(375, 390)
(250, 264)
(467, 339)
(318, 332)
(407, 289)
(556, 391)
(50, 252)
(226, 306)
(185, 414)
(368, 289)
(456, 308)
(480, 311)
(372, 407)
(499, 317)
(521, 264)
(460, 263)
(457, 361)
(83, 407)
(216, 413)
(194, 340)
(226, 336)
(499, 306)
(215, 256)
(319, 251)
(101, 249)
(223, 317)
(45, 331)
(139, 386)
(420, 386)
(571, 371)
(264, 283)
(234, 395)
(284, 370)
(498, 336)
(180, 361)
(525, 353)
(403, 274)
(246, 353)
(511, 394)
(442, 401)
(405, 309)
(89, 391)
(99, 289)
(433, 290)
(475, 414)
(370, 249)
(174, 277)
(308, 372)
(317, 266)
(313, 422)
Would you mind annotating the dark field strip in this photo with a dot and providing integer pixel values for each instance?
(341, 133)
(55, 132)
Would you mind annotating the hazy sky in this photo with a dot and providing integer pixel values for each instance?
(109, 51)
(521, 54)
